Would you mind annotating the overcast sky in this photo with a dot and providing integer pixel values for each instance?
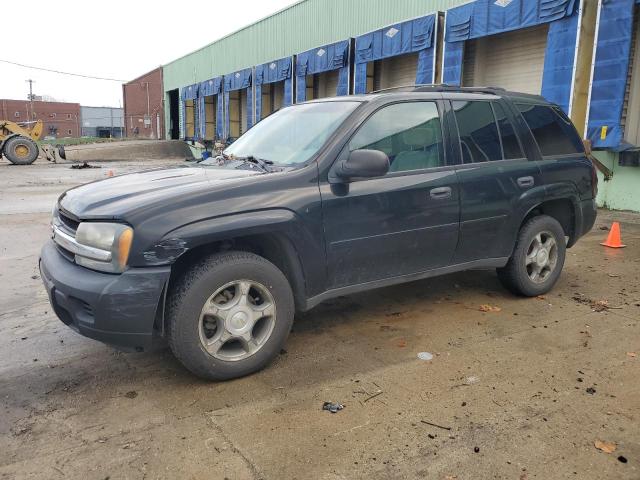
(100, 38)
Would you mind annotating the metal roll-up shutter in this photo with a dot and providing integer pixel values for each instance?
(396, 71)
(512, 60)
(328, 84)
(278, 95)
(243, 111)
(631, 108)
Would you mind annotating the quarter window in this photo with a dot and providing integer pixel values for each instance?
(510, 145)
(409, 133)
(479, 139)
(552, 130)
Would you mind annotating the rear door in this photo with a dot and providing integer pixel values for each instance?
(405, 222)
(497, 180)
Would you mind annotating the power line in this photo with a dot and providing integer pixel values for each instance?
(63, 73)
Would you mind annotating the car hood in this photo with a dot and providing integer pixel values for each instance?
(110, 198)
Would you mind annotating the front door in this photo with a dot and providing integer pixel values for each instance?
(405, 222)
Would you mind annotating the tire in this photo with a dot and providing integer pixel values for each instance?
(519, 275)
(216, 285)
(20, 150)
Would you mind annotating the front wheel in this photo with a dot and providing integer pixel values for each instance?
(229, 315)
(537, 259)
(20, 150)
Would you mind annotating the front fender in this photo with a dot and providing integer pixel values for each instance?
(210, 230)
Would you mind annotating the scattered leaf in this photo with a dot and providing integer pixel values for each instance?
(631, 354)
(402, 343)
(606, 447)
(541, 297)
(489, 308)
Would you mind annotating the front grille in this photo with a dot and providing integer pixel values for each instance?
(68, 222)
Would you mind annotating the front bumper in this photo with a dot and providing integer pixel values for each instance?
(116, 309)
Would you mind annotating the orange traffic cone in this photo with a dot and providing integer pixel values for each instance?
(614, 239)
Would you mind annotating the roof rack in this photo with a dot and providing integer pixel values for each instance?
(441, 87)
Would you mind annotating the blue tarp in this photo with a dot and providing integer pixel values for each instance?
(557, 77)
(240, 80)
(323, 59)
(610, 74)
(189, 92)
(208, 88)
(398, 39)
(276, 71)
(487, 17)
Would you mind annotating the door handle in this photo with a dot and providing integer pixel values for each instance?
(440, 193)
(525, 182)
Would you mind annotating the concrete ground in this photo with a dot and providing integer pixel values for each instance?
(519, 393)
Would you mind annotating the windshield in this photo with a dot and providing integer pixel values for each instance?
(291, 136)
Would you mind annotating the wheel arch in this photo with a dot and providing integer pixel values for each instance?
(275, 247)
(564, 209)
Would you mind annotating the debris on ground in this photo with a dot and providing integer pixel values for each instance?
(622, 459)
(489, 308)
(472, 380)
(131, 394)
(332, 407)
(596, 305)
(476, 449)
(83, 165)
(435, 425)
(426, 356)
(591, 391)
(631, 354)
(606, 447)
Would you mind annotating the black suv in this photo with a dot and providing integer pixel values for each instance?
(320, 199)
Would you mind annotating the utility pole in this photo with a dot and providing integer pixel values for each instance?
(30, 82)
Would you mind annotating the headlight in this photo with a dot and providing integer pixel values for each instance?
(112, 242)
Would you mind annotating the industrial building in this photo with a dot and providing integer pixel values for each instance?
(144, 107)
(60, 119)
(102, 122)
(582, 54)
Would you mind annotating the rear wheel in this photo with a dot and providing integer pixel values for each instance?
(21, 150)
(229, 315)
(537, 259)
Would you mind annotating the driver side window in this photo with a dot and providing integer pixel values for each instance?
(409, 133)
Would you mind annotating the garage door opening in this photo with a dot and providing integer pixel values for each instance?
(512, 60)
(322, 85)
(174, 114)
(209, 118)
(272, 98)
(392, 72)
(237, 114)
(189, 118)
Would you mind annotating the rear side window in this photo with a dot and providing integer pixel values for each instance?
(553, 132)
(510, 144)
(479, 139)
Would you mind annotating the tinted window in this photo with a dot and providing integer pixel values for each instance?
(479, 138)
(510, 145)
(409, 133)
(553, 131)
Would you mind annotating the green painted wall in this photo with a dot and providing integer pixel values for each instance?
(303, 26)
(621, 192)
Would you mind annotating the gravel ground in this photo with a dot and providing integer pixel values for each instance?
(521, 392)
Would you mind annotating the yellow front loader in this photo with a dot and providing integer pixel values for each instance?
(18, 141)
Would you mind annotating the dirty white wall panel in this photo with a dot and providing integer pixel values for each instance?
(397, 71)
(513, 60)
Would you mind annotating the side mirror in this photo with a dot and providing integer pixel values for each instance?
(363, 164)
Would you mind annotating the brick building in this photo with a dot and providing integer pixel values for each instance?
(60, 119)
(143, 105)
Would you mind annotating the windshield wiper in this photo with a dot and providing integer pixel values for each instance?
(264, 165)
